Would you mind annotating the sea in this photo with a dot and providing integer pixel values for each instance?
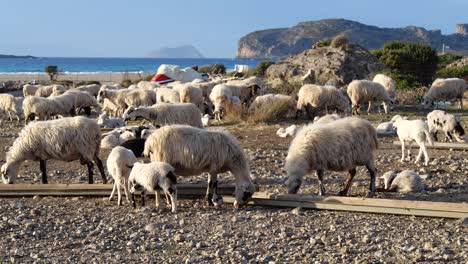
(108, 65)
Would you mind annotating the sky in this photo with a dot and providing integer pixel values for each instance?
(132, 28)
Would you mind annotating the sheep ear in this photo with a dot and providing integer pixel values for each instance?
(130, 167)
(172, 177)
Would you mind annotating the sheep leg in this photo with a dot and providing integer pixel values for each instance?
(90, 172)
(173, 195)
(426, 156)
(448, 136)
(369, 108)
(409, 152)
(348, 182)
(143, 195)
(402, 151)
(133, 200)
(101, 169)
(157, 196)
(371, 168)
(113, 191)
(320, 178)
(435, 135)
(119, 193)
(42, 166)
(125, 185)
(461, 103)
(216, 198)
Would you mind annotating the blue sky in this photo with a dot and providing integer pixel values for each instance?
(124, 28)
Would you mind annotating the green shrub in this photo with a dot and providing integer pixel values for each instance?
(453, 72)
(148, 78)
(212, 69)
(64, 83)
(126, 83)
(339, 41)
(52, 71)
(322, 43)
(402, 81)
(262, 67)
(446, 59)
(413, 59)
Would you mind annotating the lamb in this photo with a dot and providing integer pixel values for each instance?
(387, 127)
(273, 105)
(153, 177)
(403, 182)
(119, 163)
(340, 145)
(116, 97)
(446, 89)
(11, 105)
(442, 121)
(203, 151)
(413, 130)
(363, 91)
(92, 89)
(166, 114)
(388, 83)
(106, 122)
(29, 89)
(68, 139)
(110, 141)
(316, 98)
(167, 95)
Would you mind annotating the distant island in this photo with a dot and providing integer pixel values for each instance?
(182, 52)
(283, 42)
(3, 56)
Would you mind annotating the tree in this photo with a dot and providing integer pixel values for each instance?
(414, 59)
(262, 67)
(52, 71)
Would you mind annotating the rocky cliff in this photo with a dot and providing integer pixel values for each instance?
(282, 42)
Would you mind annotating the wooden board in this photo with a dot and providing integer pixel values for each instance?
(438, 145)
(355, 204)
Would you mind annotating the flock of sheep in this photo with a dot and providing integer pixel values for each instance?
(178, 144)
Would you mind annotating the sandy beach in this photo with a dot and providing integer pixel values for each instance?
(76, 77)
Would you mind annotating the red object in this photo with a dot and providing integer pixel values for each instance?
(161, 78)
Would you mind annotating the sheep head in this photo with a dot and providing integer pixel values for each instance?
(127, 114)
(243, 193)
(9, 172)
(388, 179)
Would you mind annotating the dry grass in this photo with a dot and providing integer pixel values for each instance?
(411, 97)
(272, 112)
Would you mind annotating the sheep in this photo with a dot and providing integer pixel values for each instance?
(222, 98)
(147, 85)
(316, 98)
(246, 89)
(116, 97)
(115, 86)
(119, 163)
(272, 106)
(109, 108)
(136, 145)
(11, 105)
(45, 91)
(439, 120)
(191, 94)
(67, 139)
(139, 97)
(126, 136)
(445, 89)
(44, 108)
(203, 151)
(166, 114)
(388, 83)
(29, 89)
(363, 91)
(92, 89)
(206, 120)
(110, 141)
(387, 127)
(167, 95)
(413, 130)
(104, 121)
(326, 119)
(340, 145)
(153, 177)
(403, 182)
(84, 101)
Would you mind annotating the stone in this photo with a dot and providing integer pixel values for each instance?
(179, 238)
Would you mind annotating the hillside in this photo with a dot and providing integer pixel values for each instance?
(3, 56)
(283, 42)
(183, 52)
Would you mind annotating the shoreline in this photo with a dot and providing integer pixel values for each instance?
(103, 77)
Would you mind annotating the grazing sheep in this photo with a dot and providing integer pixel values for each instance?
(387, 127)
(315, 98)
(388, 83)
(364, 91)
(110, 141)
(147, 85)
(92, 89)
(45, 91)
(271, 106)
(104, 121)
(67, 139)
(439, 120)
(445, 90)
(11, 105)
(413, 130)
(29, 89)
(109, 108)
(203, 151)
(340, 145)
(167, 95)
(246, 89)
(403, 182)
(84, 101)
(191, 94)
(119, 163)
(136, 145)
(139, 97)
(326, 119)
(115, 86)
(116, 97)
(153, 177)
(44, 108)
(223, 99)
(166, 114)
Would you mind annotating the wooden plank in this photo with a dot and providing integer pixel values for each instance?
(439, 145)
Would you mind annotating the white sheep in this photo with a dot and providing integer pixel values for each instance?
(191, 94)
(104, 121)
(413, 130)
(84, 101)
(167, 95)
(388, 83)
(203, 151)
(92, 89)
(153, 177)
(67, 139)
(387, 127)
(439, 120)
(326, 118)
(11, 105)
(206, 120)
(223, 100)
(45, 91)
(341, 145)
(29, 89)
(403, 182)
(315, 98)
(147, 85)
(445, 90)
(119, 163)
(110, 141)
(116, 97)
(365, 91)
(44, 108)
(166, 114)
(109, 108)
